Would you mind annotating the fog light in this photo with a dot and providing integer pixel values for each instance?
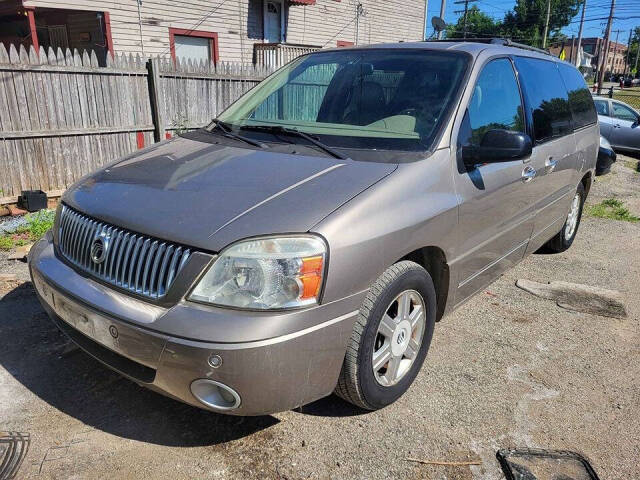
(215, 394)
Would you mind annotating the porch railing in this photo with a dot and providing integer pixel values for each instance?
(279, 54)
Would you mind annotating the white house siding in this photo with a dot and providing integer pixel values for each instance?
(239, 22)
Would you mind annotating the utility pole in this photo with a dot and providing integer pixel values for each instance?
(140, 26)
(426, 13)
(615, 49)
(606, 52)
(573, 47)
(627, 63)
(465, 11)
(584, 7)
(442, 6)
(546, 25)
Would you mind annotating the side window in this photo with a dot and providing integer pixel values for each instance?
(496, 102)
(602, 107)
(624, 113)
(580, 100)
(547, 97)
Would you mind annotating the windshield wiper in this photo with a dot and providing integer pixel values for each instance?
(279, 129)
(226, 131)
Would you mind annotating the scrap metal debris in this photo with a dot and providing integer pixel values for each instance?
(13, 449)
(538, 464)
(578, 297)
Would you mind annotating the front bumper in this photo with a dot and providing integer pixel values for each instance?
(271, 374)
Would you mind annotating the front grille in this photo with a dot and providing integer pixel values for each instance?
(128, 260)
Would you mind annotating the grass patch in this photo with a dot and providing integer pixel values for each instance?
(37, 225)
(633, 165)
(611, 208)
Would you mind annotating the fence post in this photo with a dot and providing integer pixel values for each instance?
(153, 67)
(610, 92)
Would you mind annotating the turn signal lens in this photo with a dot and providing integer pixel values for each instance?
(310, 277)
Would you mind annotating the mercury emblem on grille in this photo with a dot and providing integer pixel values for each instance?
(99, 248)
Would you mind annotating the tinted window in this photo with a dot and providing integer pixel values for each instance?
(496, 102)
(547, 98)
(602, 107)
(580, 100)
(623, 112)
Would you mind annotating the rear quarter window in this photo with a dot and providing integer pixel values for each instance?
(580, 99)
(547, 98)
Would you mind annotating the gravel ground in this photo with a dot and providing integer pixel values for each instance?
(506, 370)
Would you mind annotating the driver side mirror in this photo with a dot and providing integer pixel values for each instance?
(497, 145)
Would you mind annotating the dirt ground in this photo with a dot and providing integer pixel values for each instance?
(506, 370)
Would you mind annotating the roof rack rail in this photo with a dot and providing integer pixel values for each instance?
(494, 41)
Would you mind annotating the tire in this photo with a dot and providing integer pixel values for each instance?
(358, 383)
(562, 241)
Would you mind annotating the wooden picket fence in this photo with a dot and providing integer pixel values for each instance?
(62, 116)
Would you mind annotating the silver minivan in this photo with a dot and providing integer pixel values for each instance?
(308, 240)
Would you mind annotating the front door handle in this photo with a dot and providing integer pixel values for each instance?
(550, 163)
(616, 126)
(528, 173)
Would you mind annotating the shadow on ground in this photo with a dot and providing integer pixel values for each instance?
(76, 384)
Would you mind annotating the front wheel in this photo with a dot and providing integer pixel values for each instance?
(390, 338)
(563, 240)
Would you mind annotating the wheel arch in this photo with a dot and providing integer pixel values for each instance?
(434, 261)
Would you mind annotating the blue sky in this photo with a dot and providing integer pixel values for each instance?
(594, 22)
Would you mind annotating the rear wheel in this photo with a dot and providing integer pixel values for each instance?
(563, 240)
(390, 338)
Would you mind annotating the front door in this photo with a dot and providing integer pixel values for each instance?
(273, 21)
(626, 131)
(496, 204)
(555, 156)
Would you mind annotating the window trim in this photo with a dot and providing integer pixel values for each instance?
(212, 36)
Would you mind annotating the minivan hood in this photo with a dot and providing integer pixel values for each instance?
(208, 196)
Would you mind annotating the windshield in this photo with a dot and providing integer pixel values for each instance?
(387, 99)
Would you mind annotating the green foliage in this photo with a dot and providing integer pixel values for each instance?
(6, 242)
(612, 208)
(37, 225)
(479, 24)
(524, 24)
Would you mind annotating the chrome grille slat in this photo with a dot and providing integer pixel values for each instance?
(134, 262)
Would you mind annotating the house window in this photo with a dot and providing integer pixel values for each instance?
(274, 21)
(195, 45)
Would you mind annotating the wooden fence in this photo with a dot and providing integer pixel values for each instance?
(62, 116)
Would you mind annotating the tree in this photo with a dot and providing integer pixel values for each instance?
(479, 24)
(633, 51)
(525, 23)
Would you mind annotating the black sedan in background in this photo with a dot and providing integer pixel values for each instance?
(606, 157)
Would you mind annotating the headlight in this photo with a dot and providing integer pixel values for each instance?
(604, 143)
(265, 273)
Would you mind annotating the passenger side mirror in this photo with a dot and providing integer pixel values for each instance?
(497, 145)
